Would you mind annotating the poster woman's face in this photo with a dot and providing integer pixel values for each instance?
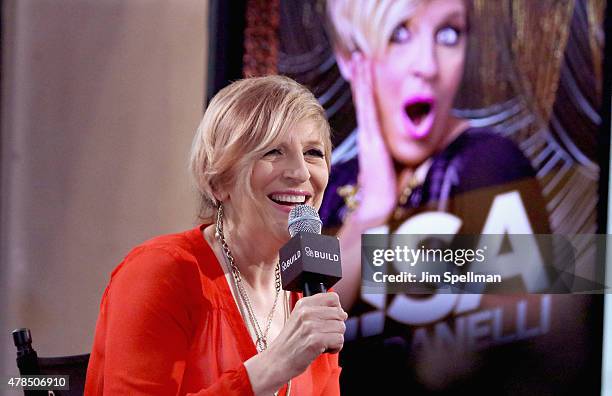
(417, 77)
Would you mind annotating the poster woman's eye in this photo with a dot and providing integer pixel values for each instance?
(448, 36)
(400, 34)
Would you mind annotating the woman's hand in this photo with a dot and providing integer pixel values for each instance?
(377, 180)
(315, 325)
(377, 177)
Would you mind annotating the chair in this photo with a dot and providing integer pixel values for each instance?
(29, 363)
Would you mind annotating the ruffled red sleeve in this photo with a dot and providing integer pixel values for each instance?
(145, 328)
(233, 382)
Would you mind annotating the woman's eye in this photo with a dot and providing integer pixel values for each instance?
(316, 153)
(448, 36)
(400, 34)
(272, 152)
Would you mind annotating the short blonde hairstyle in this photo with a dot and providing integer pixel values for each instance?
(242, 122)
(366, 25)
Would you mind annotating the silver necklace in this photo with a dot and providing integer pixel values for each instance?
(262, 336)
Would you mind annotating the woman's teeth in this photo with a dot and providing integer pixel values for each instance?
(285, 199)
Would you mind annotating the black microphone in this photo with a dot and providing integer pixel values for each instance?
(309, 262)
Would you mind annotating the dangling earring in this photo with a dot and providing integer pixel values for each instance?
(219, 222)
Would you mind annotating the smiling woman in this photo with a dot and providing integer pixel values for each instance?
(202, 312)
(263, 118)
(263, 159)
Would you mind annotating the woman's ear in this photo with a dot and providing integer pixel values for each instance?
(345, 64)
(220, 194)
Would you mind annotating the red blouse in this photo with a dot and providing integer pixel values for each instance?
(169, 325)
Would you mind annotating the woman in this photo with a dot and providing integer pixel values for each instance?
(405, 62)
(201, 312)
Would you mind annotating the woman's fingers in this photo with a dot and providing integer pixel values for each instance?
(377, 178)
(322, 313)
(315, 325)
(320, 341)
(367, 118)
(334, 342)
(334, 326)
(329, 299)
(370, 138)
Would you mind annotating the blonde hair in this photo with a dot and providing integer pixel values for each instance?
(366, 25)
(242, 122)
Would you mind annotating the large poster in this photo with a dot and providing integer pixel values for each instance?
(487, 112)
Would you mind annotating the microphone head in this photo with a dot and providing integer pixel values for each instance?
(304, 218)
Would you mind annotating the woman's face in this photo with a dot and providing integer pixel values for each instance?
(416, 79)
(292, 172)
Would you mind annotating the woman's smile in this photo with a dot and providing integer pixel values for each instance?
(286, 200)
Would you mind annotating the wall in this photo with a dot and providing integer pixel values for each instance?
(100, 101)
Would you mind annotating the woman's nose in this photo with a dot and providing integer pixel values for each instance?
(425, 64)
(296, 168)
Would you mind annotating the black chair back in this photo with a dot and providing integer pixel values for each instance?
(29, 363)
